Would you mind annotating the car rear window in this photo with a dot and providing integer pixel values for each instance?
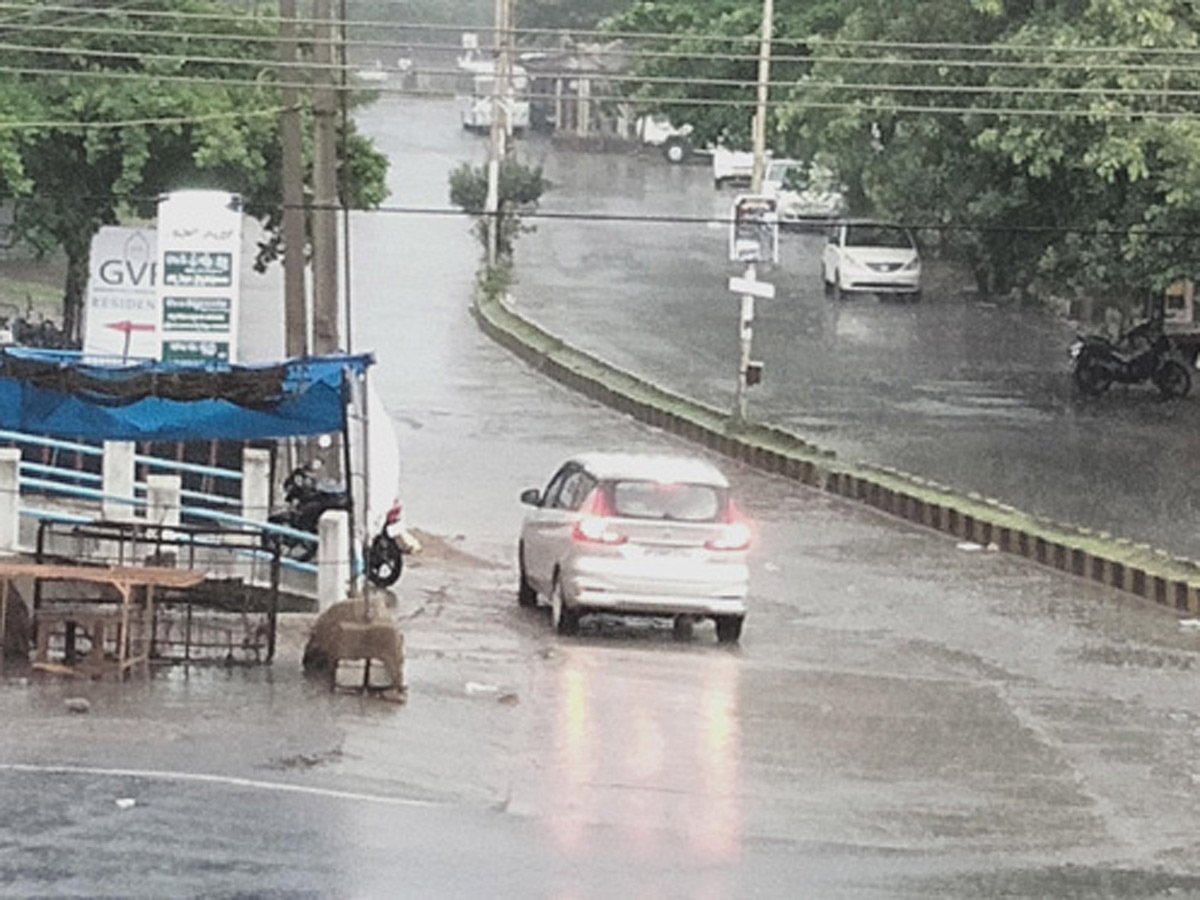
(674, 501)
(878, 236)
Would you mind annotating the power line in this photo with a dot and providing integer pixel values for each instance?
(609, 76)
(810, 58)
(1098, 113)
(556, 33)
(649, 219)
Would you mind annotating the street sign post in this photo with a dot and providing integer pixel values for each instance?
(749, 370)
(754, 229)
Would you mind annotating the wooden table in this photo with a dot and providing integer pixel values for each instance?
(97, 617)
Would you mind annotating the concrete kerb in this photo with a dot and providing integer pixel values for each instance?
(1094, 556)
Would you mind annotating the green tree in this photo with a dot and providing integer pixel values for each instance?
(520, 188)
(1054, 145)
(101, 113)
(1059, 150)
(698, 62)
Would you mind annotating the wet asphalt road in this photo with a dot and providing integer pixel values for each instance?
(904, 718)
(965, 393)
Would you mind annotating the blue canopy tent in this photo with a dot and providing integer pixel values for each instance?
(66, 395)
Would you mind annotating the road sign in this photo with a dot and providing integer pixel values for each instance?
(754, 235)
(763, 289)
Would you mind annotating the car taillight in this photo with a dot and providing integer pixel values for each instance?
(735, 533)
(594, 525)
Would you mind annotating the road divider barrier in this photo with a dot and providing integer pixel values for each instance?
(1118, 563)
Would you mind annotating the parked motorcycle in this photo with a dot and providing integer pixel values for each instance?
(308, 499)
(1144, 353)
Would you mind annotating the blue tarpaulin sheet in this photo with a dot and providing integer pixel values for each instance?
(65, 395)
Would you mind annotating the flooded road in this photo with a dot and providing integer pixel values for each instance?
(631, 265)
(904, 718)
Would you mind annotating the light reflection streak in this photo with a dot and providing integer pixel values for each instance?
(656, 763)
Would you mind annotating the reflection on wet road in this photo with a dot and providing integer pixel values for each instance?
(675, 767)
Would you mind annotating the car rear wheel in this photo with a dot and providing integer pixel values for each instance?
(526, 595)
(837, 293)
(565, 619)
(729, 629)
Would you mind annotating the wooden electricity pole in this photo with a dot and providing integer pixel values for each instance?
(295, 237)
(501, 126)
(325, 200)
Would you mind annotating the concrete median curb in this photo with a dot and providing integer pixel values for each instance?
(1136, 569)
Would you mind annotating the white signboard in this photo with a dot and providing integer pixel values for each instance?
(121, 314)
(199, 265)
(756, 288)
(754, 231)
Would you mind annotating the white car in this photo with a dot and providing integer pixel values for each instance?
(635, 534)
(805, 194)
(873, 257)
(732, 166)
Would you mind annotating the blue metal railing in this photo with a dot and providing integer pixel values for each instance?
(82, 491)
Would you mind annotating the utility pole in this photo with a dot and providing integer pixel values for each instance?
(746, 319)
(324, 214)
(760, 110)
(295, 237)
(501, 128)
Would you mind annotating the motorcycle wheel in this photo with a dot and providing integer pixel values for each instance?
(1173, 380)
(1090, 377)
(385, 561)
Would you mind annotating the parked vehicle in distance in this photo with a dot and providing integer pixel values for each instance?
(372, 74)
(1143, 353)
(806, 194)
(478, 78)
(732, 166)
(674, 142)
(635, 534)
(872, 257)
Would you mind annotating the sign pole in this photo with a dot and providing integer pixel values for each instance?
(754, 238)
(746, 330)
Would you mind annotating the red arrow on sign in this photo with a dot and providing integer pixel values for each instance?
(129, 327)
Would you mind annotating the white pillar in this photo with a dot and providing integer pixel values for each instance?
(256, 483)
(10, 501)
(333, 558)
(117, 482)
(163, 499)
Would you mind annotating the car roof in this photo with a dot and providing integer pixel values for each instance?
(651, 467)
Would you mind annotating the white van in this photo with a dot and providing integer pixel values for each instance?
(477, 114)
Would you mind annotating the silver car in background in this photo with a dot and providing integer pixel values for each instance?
(635, 534)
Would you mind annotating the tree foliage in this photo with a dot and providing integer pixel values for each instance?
(520, 188)
(698, 64)
(1054, 145)
(98, 120)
